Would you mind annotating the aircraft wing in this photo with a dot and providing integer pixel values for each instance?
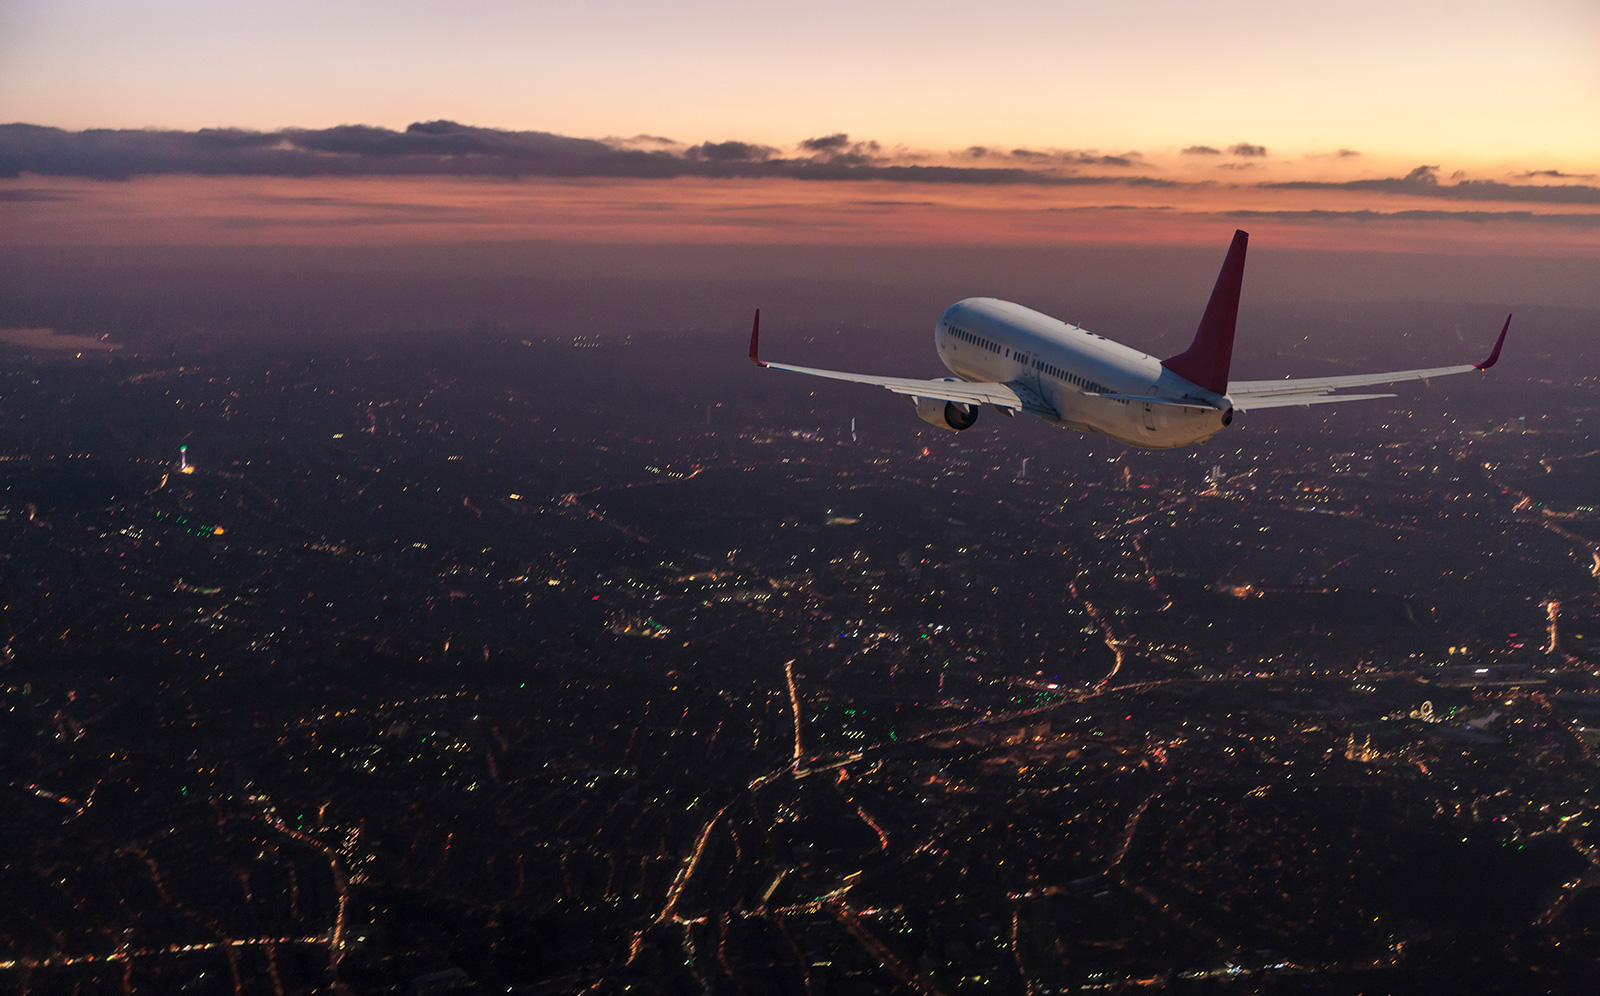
(963, 391)
(1250, 404)
(1249, 394)
(1015, 396)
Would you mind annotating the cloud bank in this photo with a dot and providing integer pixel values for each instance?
(445, 148)
(1482, 217)
(1424, 182)
(426, 184)
(449, 149)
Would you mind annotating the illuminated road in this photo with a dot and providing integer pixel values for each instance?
(1016, 951)
(1105, 631)
(794, 704)
(1525, 501)
(1150, 574)
(1126, 840)
(888, 959)
(127, 954)
(341, 886)
(687, 869)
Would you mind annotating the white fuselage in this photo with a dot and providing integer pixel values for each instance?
(984, 339)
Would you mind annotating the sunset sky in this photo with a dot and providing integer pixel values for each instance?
(1382, 125)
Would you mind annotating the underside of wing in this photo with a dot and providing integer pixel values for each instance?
(960, 391)
(1014, 396)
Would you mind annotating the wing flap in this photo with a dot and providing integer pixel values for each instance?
(1298, 400)
(1322, 385)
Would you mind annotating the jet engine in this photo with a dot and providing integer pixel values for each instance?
(946, 414)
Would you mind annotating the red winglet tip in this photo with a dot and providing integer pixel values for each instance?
(1494, 356)
(755, 337)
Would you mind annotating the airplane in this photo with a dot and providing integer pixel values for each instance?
(1020, 360)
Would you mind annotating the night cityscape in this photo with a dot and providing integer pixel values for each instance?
(421, 663)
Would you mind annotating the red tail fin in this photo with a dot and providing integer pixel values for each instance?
(1206, 360)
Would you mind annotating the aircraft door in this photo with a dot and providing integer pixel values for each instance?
(1030, 368)
(1150, 412)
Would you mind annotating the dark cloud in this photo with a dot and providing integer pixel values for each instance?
(434, 147)
(731, 152)
(31, 194)
(1246, 149)
(445, 148)
(407, 208)
(643, 141)
(839, 150)
(1085, 208)
(1346, 153)
(1201, 150)
(827, 143)
(1009, 176)
(1554, 174)
(1052, 157)
(1575, 220)
(1424, 182)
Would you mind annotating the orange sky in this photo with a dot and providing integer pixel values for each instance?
(1474, 81)
(1362, 91)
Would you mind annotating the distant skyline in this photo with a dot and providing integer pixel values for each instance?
(1460, 128)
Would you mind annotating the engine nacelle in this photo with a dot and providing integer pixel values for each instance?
(945, 414)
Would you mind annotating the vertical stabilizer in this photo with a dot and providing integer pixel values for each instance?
(1206, 361)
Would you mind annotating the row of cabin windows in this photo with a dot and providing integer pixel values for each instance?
(1071, 378)
(1052, 370)
(976, 340)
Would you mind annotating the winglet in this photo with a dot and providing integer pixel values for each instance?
(1495, 356)
(755, 337)
(1206, 361)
